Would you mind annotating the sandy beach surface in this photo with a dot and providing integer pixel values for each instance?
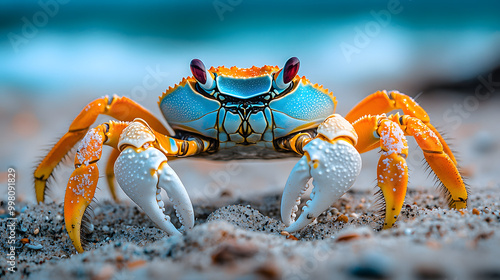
(243, 240)
(238, 231)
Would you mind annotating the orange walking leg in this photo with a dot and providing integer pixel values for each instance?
(121, 108)
(384, 102)
(392, 171)
(83, 181)
(110, 173)
(443, 166)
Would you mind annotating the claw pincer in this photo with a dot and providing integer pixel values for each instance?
(142, 171)
(333, 163)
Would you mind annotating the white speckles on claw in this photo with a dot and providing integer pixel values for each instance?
(345, 164)
(134, 174)
(336, 126)
(136, 134)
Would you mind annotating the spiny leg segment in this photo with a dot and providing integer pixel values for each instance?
(121, 108)
(83, 181)
(414, 123)
(453, 186)
(382, 102)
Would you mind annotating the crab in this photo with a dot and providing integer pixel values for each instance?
(247, 113)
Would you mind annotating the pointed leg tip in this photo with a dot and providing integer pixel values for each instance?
(73, 227)
(73, 221)
(40, 186)
(79, 194)
(390, 219)
(387, 226)
(75, 239)
(458, 205)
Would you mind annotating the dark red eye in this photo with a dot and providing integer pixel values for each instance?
(290, 70)
(199, 71)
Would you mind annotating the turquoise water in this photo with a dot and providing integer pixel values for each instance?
(50, 47)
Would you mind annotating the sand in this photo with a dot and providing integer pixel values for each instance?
(244, 240)
(238, 231)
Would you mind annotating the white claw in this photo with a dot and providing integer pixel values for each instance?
(293, 190)
(329, 185)
(171, 183)
(139, 174)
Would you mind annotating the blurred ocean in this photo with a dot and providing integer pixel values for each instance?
(56, 56)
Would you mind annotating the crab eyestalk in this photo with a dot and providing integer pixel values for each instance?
(204, 78)
(287, 73)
